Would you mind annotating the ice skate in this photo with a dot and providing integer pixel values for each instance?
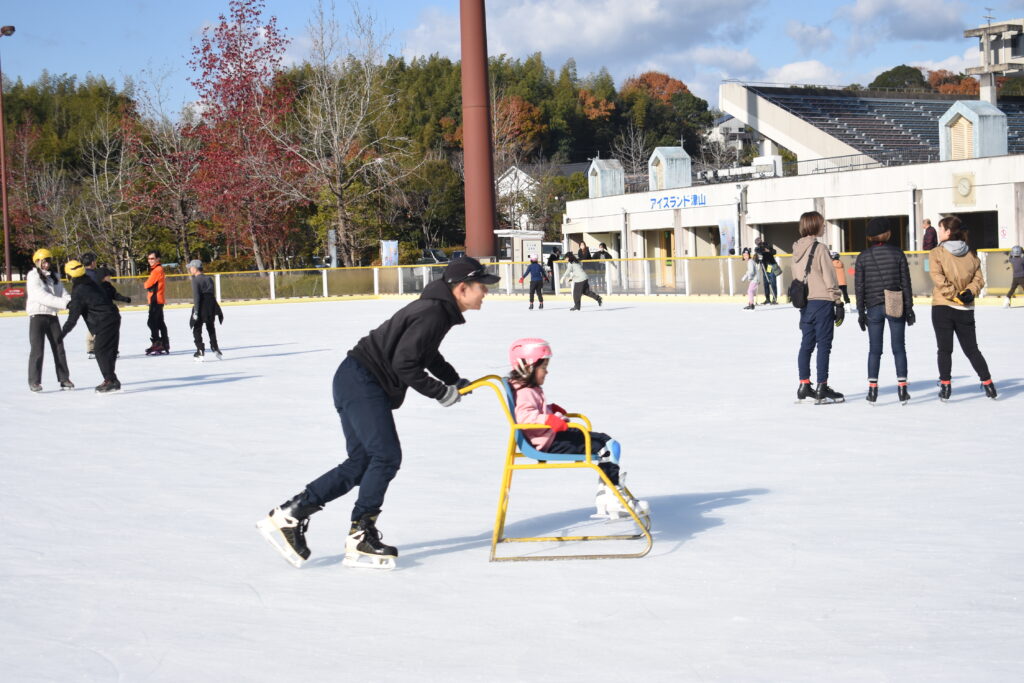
(872, 392)
(199, 355)
(67, 385)
(540, 305)
(990, 389)
(363, 548)
(163, 349)
(902, 392)
(827, 394)
(153, 349)
(108, 387)
(91, 355)
(36, 388)
(1006, 302)
(285, 526)
(805, 391)
(945, 390)
(610, 507)
(531, 306)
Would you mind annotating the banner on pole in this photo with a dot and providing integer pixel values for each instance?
(389, 252)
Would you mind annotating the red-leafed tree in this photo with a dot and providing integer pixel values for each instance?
(237, 63)
(658, 86)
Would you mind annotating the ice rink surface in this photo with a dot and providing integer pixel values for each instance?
(792, 542)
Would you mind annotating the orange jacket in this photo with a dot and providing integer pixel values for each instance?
(156, 277)
(840, 272)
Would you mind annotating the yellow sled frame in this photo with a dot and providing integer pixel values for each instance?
(514, 461)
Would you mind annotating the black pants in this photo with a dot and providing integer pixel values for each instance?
(157, 327)
(374, 452)
(211, 331)
(537, 287)
(1017, 282)
(105, 348)
(571, 441)
(581, 289)
(48, 327)
(948, 321)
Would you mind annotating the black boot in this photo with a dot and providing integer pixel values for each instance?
(990, 388)
(945, 390)
(902, 391)
(285, 527)
(872, 392)
(828, 395)
(364, 538)
(805, 391)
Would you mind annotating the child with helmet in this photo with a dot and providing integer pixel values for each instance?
(45, 297)
(529, 359)
(1017, 264)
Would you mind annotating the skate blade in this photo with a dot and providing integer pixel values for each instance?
(829, 401)
(269, 531)
(374, 562)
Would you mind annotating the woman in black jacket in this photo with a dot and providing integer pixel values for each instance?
(102, 318)
(883, 266)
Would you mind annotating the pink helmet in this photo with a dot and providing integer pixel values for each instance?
(525, 353)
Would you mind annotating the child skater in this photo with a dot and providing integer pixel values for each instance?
(537, 279)
(529, 359)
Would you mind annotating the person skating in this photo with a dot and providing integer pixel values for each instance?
(537, 279)
(369, 385)
(88, 260)
(1016, 261)
(529, 359)
(155, 286)
(752, 277)
(104, 275)
(824, 310)
(881, 267)
(958, 279)
(205, 310)
(102, 318)
(575, 274)
(45, 296)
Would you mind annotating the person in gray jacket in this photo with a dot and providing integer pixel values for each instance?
(824, 310)
(45, 297)
(575, 274)
(204, 310)
(1017, 263)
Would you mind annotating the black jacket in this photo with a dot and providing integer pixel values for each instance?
(400, 351)
(881, 267)
(204, 301)
(114, 295)
(767, 254)
(92, 303)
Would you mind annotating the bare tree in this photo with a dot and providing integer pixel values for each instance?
(342, 132)
(632, 147)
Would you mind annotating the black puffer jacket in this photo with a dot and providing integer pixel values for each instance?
(92, 303)
(401, 351)
(881, 267)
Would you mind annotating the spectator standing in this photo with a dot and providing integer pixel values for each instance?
(602, 252)
(90, 302)
(537, 279)
(555, 255)
(880, 267)
(45, 296)
(584, 252)
(1017, 264)
(205, 310)
(824, 310)
(156, 298)
(575, 274)
(930, 239)
(88, 260)
(956, 274)
(766, 256)
(752, 277)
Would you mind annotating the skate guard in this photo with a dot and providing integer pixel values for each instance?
(521, 455)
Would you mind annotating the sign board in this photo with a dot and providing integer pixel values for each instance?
(389, 252)
(14, 292)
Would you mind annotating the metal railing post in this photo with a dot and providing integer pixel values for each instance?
(324, 271)
(732, 285)
(984, 270)
(376, 281)
(686, 275)
(554, 278)
(273, 285)
(608, 278)
(647, 277)
(216, 286)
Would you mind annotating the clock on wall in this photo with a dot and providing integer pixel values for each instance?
(963, 188)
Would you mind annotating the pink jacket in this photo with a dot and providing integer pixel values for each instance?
(531, 409)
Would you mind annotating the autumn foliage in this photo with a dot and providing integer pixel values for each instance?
(657, 85)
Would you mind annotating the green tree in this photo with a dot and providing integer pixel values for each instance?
(901, 77)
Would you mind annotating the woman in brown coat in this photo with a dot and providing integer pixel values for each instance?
(956, 273)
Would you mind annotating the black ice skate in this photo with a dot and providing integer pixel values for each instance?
(828, 395)
(67, 385)
(872, 392)
(363, 548)
(285, 526)
(35, 387)
(540, 305)
(153, 349)
(990, 389)
(199, 355)
(531, 307)
(945, 390)
(902, 392)
(805, 391)
(108, 387)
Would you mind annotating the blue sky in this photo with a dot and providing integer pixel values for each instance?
(697, 41)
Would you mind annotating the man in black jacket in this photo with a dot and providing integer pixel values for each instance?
(766, 255)
(102, 318)
(368, 386)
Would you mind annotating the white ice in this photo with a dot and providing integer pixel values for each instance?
(792, 542)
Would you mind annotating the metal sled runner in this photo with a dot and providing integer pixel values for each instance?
(521, 455)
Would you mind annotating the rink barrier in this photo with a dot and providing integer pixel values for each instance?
(695, 276)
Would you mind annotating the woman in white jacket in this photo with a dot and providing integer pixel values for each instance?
(575, 274)
(46, 296)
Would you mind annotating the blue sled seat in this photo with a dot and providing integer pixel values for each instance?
(524, 445)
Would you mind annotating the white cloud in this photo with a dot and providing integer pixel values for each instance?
(957, 63)
(877, 20)
(810, 72)
(810, 38)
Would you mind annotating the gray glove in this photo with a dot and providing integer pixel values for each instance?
(451, 396)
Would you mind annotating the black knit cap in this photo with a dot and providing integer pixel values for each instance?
(466, 269)
(876, 226)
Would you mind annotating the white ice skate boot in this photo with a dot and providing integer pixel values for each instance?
(1006, 302)
(363, 549)
(285, 526)
(610, 507)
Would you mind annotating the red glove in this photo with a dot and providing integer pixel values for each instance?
(520, 280)
(556, 423)
(555, 408)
